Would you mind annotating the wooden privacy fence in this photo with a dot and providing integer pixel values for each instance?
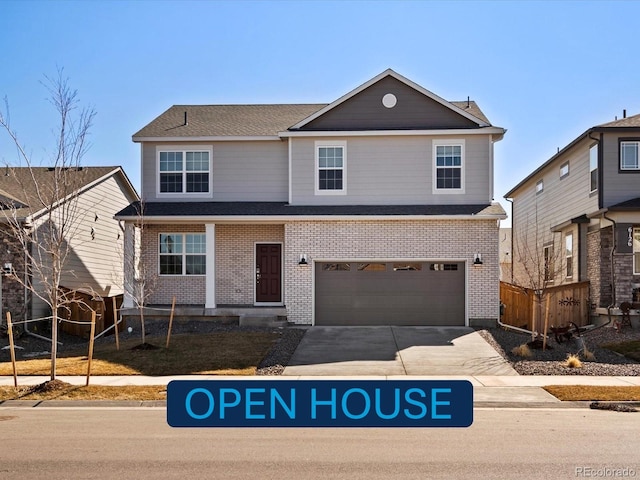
(567, 303)
(82, 312)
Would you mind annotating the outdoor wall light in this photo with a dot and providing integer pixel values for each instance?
(7, 269)
(477, 259)
(303, 259)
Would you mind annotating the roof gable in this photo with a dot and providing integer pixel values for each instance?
(31, 190)
(411, 107)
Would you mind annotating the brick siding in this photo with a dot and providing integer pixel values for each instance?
(388, 240)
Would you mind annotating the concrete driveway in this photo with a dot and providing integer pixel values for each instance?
(425, 351)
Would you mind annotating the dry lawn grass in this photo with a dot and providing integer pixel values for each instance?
(229, 353)
(594, 393)
(92, 392)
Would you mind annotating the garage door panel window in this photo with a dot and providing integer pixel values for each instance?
(372, 267)
(336, 267)
(443, 267)
(407, 267)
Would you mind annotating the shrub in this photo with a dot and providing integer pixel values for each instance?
(522, 351)
(573, 361)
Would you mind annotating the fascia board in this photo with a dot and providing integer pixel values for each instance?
(302, 218)
(394, 133)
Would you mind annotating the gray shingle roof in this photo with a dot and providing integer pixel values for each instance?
(633, 204)
(179, 209)
(633, 121)
(19, 186)
(227, 120)
(472, 108)
(242, 120)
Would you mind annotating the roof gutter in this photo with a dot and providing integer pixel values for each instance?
(299, 218)
(395, 133)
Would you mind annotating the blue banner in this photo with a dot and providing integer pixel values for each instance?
(319, 403)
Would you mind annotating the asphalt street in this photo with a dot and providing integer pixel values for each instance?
(103, 443)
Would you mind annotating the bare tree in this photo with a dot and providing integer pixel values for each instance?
(539, 263)
(139, 278)
(46, 226)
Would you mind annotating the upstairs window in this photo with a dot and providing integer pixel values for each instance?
(331, 159)
(449, 167)
(184, 171)
(629, 155)
(539, 186)
(593, 167)
(564, 170)
(182, 254)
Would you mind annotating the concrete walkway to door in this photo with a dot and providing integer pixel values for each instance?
(348, 351)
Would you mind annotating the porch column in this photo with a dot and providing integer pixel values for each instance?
(210, 283)
(131, 256)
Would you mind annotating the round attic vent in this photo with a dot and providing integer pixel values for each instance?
(389, 100)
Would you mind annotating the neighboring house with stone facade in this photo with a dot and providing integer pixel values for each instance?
(581, 209)
(375, 209)
(94, 242)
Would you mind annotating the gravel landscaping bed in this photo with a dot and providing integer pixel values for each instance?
(552, 360)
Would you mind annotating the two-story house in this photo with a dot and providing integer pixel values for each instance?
(580, 213)
(375, 209)
(80, 202)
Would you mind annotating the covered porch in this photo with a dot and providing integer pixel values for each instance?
(242, 315)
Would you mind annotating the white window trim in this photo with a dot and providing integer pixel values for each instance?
(183, 254)
(448, 142)
(316, 172)
(184, 149)
(568, 256)
(630, 169)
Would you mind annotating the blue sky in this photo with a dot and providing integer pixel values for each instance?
(544, 70)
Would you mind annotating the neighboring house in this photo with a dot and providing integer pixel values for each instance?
(90, 197)
(370, 210)
(579, 213)
(506, 254)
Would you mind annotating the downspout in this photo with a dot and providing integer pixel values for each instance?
(613, 252)
(512, 219)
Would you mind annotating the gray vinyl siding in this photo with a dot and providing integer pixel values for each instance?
(618, 186)
(561, 200)
(391, 171)
(95, 264)
(241, 171)
(413, 110)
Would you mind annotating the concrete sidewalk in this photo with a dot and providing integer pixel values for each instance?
(488, 390)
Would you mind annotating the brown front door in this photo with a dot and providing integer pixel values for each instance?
(268, 273)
